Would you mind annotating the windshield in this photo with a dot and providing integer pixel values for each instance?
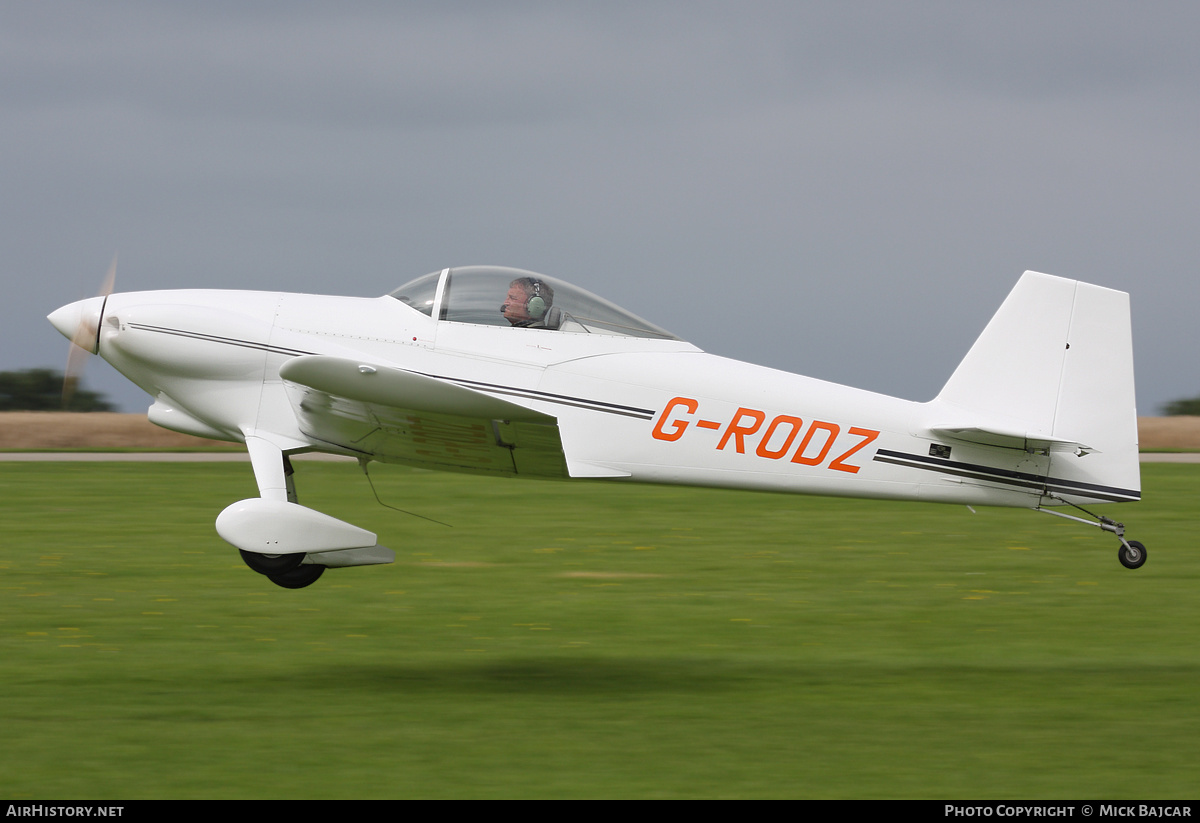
(497, 296)
(420, 293)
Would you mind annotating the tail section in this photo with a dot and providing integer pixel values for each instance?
(1053, 373)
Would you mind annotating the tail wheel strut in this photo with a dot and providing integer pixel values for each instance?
(1132, 554)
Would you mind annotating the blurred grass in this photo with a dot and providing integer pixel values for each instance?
(590, 640)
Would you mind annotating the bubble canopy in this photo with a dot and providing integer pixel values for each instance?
(478, 294)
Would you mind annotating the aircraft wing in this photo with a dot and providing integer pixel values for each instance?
(401, 416)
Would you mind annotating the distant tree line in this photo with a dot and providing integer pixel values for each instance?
(42, 390)
(1189, 406)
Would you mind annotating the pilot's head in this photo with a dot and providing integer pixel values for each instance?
(527, 301)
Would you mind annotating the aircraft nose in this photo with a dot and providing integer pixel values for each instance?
(79, 322)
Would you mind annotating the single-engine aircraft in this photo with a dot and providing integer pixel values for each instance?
(500, 371)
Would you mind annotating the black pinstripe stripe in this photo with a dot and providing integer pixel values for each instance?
(1009, 477)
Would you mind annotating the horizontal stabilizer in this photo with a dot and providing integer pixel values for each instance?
(1009, 439)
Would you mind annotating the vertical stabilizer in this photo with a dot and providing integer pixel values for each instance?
(1053, 368)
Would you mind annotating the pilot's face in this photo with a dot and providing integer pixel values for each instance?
(514, 305)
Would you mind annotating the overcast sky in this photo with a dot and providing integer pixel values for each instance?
(845, 190)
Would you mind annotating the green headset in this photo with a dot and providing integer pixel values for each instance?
(535, 306)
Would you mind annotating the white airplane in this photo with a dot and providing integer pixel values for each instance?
(500, 371)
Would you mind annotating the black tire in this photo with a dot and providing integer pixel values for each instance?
(298, 577)
(1132, 557)
(270, 564)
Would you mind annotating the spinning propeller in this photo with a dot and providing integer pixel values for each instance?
(79, 322)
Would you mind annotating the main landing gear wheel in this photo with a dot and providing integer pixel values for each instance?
(270, 564)
(1132, 554)
(298, 577)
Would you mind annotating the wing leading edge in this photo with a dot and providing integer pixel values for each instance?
(393, 415)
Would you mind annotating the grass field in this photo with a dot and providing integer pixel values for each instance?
(586, 640)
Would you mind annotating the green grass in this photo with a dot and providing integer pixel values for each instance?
(590, 640)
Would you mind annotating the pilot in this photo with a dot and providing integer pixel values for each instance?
(527, 302)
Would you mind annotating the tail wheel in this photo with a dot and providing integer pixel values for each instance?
(1132, 554)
